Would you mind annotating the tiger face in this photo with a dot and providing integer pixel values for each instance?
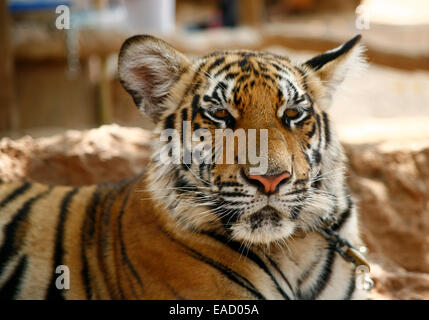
(299, 178)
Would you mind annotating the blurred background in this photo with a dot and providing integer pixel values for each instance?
(54, 78)
(58, 72)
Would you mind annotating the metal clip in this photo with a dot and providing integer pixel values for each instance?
(342, 245)
(358, 258)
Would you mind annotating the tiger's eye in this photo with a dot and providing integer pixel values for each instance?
(221, 114)
(292, 113)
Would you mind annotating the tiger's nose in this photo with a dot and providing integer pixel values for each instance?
(270, 183)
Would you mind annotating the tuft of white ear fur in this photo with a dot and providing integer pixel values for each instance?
(350, 63)
(334, 65)
(148, 68)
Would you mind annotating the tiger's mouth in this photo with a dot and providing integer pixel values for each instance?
(265, 216)
(263, 226)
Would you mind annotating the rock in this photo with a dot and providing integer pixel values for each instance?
(109, 153)
(14, 158)
(391, 188)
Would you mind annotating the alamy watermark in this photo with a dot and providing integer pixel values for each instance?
(63, 17)
(363, 281)
(362, 21)
(62, 282)
(226, 147)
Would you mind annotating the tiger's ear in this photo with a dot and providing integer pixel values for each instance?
(332, 66)
(148, 68)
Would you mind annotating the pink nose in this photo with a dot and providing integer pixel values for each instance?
(270, 182)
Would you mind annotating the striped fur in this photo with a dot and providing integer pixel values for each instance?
(192, 231)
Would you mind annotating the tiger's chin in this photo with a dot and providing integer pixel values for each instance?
(265, 227)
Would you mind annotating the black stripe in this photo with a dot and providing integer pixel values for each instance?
(277, 67)
(296, 210)
(124, 254)
(327, 129)
(269, 78)
(231, 75)
(174, 292)
(248, 54)
(228, 217)
(104, 214)
(237, 98)
(187, 154)
(236, 194)
(327, 269)
(196, 126)
(194, 84)
(300, 181)
(102, 240)
(242, 78)
(307, 158)
(319, 61)
(317, 157)
(262, 67)
(202, 168)
(217, 62)
(15, 193)
(236, 246)
(344, 215)
(182, 185)
(223, 91)
(184, 114)
(229, 273)
(88, 228)
(351, 287)
(211, 99)
(229, 184)
(243, 62)
(306, 273)
(319, 127)
(330, 258)
(195, 106)
(10, 288)
(295, 92)
(220, 86)
(324, 276)
(272, 262)
(53, 291)
(9, 247)
(313, 130)
(318, 181)
(225, 68)
(169, 121)
(215, 97)
(302, 122)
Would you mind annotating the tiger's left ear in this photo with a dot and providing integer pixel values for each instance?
(148, 68)
(332, 66)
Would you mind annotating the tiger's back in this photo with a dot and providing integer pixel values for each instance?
(41, 230)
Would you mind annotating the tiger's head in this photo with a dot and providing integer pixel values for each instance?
(272, 106)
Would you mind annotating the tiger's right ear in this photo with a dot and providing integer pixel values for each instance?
(332, 67)
(148, 68)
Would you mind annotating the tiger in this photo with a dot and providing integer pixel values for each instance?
(201, 229)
